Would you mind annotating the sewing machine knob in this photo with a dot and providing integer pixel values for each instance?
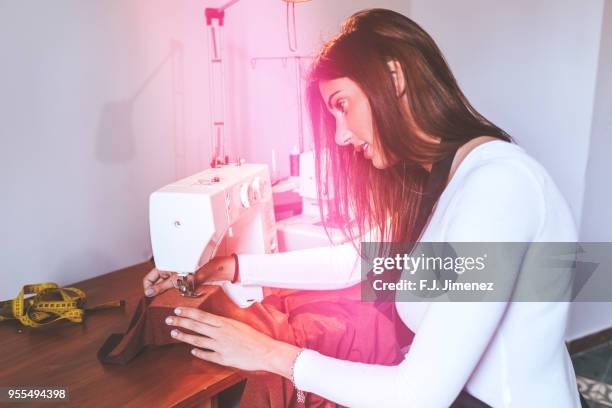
(245, 194)
(256, 188)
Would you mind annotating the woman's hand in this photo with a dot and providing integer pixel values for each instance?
(232, 343)
(220, 268)
(156, 282)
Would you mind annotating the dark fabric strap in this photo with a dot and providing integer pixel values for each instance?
(467, 400)
(434, 186)
(121, 348)
(436, 182)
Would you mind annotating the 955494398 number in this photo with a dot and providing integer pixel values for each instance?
(16, 394)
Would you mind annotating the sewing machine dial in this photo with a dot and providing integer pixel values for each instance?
(246, 194)
(252, 192)
(256, 185)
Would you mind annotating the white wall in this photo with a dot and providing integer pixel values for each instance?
(81, 149)
(597, 204)
(530, 67)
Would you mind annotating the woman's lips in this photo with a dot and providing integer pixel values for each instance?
(367, 151)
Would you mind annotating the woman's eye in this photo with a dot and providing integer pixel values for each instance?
(342, 105)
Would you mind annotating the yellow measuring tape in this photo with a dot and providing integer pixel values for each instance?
(49, 304)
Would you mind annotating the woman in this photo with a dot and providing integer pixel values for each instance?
(406, 154)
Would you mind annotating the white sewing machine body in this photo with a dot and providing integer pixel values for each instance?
(218, 211)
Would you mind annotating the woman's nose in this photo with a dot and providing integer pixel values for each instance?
(343, 136)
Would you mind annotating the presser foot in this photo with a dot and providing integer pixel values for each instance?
(187, 286)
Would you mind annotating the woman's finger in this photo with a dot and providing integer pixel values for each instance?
(156, 282)
(193, 325)
(150, 278)
(157, 288)
(200, 316)
(198, 341)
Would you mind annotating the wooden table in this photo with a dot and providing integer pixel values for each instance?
(64, 355)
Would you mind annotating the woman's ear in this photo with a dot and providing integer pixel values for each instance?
(398, 76)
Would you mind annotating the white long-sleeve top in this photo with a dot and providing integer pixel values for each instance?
(507, 354)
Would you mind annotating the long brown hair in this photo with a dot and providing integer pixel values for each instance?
(389, 198)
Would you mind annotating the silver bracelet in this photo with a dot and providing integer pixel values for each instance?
(301, 396)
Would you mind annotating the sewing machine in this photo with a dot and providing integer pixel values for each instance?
(219, 211)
